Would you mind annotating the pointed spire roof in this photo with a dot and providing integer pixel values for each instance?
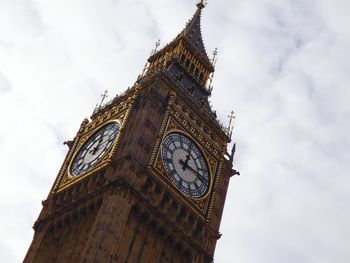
(192, 32)
(192, 36)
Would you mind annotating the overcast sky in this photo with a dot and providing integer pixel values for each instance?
(283, 67)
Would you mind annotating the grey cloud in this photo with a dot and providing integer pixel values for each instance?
(5, 83)
(20, 22)
(6, 253)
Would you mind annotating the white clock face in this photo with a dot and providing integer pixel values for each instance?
(94, 149)
(185, 165)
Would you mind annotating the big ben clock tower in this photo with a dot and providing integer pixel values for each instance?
(146, 176)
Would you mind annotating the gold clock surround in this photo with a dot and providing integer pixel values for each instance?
(106, 156)
(205, 156)
(117, 112)
(69, 178)
(202, 204)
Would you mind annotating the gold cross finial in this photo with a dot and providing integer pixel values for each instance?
(157, 44)
(201, 4)
(231, 117)
(156, 48)
(215, 53)
(104, 96)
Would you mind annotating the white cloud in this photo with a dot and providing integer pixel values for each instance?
(283, 67)
(5, 84)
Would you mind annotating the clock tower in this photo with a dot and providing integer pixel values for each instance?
(146, 176)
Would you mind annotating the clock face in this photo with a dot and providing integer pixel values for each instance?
(94, 149)
(185, 165)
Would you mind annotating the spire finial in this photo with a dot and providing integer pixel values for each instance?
(103, 97)
(99, 106)
(231, 117)
(201, 4)
(156, 48)
(214, 59)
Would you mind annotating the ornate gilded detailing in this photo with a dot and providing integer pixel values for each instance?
(192, 34)
(181, 116)
(215, 188)
(181, 54)
(197, 108)
(209, 142)
(119, 109)
(94, 149)
(118, 102)
(192, 39)
(69, 179)
(186, 71)
(171, 97)
(229, 128)
(197, 129)
(189, 64)
(201, 205)
(69, 156)
(186, 60)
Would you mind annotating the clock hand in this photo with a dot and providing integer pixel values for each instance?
(99, 146)
(96, 148)
(104, 142)
(184, 164)
(187, 159)
(197, 173)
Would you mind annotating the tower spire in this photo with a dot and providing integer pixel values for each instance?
(192, 33)
(192, 36)
(186, 59)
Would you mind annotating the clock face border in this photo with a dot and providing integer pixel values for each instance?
(204, 156)
(119, 112)
(85, 149)
(203, 206)
(105, 158)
